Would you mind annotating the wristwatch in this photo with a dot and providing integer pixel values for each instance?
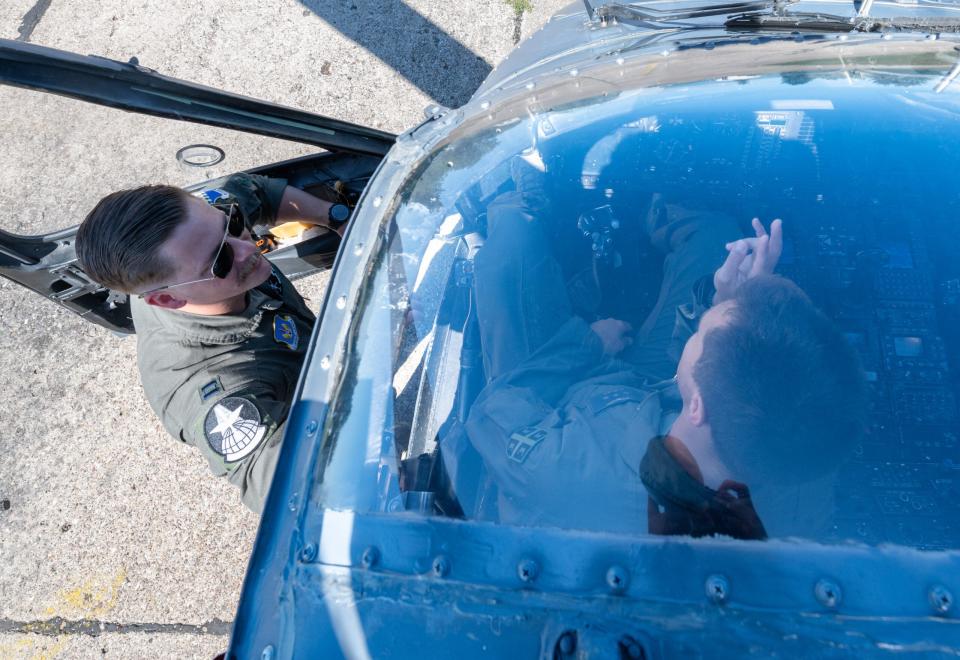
(338, 214)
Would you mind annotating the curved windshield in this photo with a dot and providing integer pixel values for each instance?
(723, 308)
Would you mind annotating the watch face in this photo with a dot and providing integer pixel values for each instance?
(339, 213)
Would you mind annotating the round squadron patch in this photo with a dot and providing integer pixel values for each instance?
(233, 428)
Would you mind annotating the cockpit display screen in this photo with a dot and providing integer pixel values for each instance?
(908, 346)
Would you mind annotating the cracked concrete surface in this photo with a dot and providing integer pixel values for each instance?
(103, 518)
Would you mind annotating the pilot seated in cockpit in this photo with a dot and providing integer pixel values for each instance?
(581, 424)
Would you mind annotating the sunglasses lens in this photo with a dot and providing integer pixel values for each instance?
(224, 262)
(235, 224)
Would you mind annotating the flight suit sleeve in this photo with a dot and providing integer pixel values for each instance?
(240, 433)
(255, 476)
(515, 424)
(258, 196)
(565, 359)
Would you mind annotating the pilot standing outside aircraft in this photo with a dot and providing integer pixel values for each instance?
(221, 333)
(766, 389)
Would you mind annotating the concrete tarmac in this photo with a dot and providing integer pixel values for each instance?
(115, 541)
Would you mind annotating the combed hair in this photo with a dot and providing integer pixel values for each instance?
(784, 392)
(118, 243)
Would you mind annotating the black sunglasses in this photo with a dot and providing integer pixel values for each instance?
(223, 261)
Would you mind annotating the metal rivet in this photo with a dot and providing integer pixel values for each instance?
(567, 643)
(377, 201)
(268, 652)
(828, 593)
(717, 588)
(358, 250)
(370, 557)
(941, 599)
(341, 302)
(618, 579)
(309, 553)
(312, 427)
(441, 566)
(528, 570)
(325, 362)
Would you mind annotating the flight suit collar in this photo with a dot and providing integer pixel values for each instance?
(669, 393)
(222, 329)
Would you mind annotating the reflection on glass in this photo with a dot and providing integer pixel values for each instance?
(582, 345)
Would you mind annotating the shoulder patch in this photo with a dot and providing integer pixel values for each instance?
(233, 428)
(210, 389)
(213, 195)
(523, 441)
(285, 331)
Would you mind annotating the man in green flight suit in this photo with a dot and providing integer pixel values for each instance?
(221, 333)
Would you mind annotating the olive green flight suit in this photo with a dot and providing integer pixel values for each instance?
(224, 384)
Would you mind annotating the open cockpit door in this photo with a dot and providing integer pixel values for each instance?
(46, 262)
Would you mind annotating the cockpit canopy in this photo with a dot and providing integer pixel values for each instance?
(480, 383)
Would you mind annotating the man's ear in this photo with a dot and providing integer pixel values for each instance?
(696, 413)
(164, 299)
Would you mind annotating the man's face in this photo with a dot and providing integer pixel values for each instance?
(715, 317)
(192, 248)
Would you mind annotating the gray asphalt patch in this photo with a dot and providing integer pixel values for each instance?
(58, 626)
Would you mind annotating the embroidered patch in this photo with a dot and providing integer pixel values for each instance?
(213, 195)
(523, 441)
(285, 331)
(233, 428)
(211, 388)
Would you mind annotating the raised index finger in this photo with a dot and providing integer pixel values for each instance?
(776, 242)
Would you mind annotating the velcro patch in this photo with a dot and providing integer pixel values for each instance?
(285, 331)
(210, 389)
(233, 429)
(616, 397)
(274, 285)
(523, 441)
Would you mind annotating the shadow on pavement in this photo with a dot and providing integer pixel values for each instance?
(414, 46)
